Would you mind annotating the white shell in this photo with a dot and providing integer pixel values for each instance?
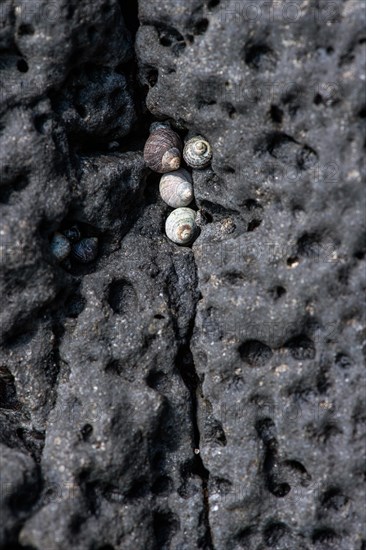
(197, 152)
(176, 188)
(180, 225)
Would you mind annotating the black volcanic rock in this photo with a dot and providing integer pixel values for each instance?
(209, 396)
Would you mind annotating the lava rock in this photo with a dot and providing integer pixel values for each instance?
(207, 396)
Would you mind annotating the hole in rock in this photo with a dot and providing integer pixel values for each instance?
(234, 277)
(277, 292)
(206, 215)
(292, 261)
(165, 525)
(22, 66)
(334, 499)
(280, 145)
(343, 361)
(122, 297)
(70, 11)
(152, 77)
(274, 532)
(255, 353)
(170, 37)
(130, 14)
(91, 495)
(200, 27)
(115, 366)
(325, 535)
(301, 347)
(163, 485)
(322, 380)
(92, 33)
(138, 489)
(214, 431)
(204, 102)
(257, 54)
(115, 93)
(81, 110)
(86, 431)
(279, 490)
(221, 485)
(266, 430)
(252, 204)
(25, 29)
(43, 124)
(8, 397)
(157, 380)
(17, 185)
(309, 245)
(75, 524)
(306, 157)
(74, 305)
(245, 535)
(276, 114)
(252, 225)
(216, 209)
(231, 111)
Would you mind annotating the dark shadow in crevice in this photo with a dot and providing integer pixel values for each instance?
(16, 186)
(186, 367)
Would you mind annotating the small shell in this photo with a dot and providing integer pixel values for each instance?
(60, 247)
(157, 125)
(180, 226)
(197, 152)
(176, 188)
(162, 152)
(85, 250)
(72, 233)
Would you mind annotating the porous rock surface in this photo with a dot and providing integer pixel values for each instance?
(208, 396)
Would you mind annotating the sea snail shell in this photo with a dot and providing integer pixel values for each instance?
(162, 152)
(176, 188)
(197, 152)
(86, 250)
(72, 233)
(180, 226)
(157, 125)
(60, 247)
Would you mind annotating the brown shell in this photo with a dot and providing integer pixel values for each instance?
(162, 152)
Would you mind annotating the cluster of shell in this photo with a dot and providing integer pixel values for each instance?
(70, 242)
(162, 153)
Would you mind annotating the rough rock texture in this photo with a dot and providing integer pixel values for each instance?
(167, 397)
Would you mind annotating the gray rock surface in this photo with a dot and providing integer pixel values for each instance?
(209, 396)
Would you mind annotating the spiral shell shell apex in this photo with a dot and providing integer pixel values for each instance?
(197, 152)
(176, 188)
(180, 226)
(162, 152)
